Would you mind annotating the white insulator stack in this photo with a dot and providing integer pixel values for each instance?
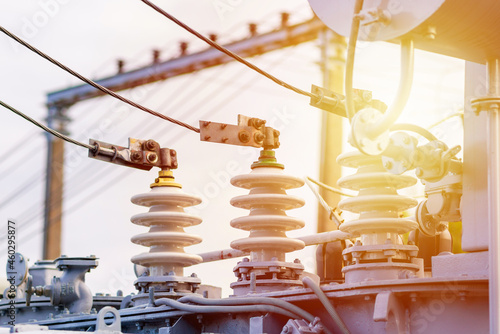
(166, 238)
(267, 269)
(379, 253)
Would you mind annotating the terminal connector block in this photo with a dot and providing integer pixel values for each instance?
(140, 154)
(250, 131)
(334, 103)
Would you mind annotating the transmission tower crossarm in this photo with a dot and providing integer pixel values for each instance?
(185, 64)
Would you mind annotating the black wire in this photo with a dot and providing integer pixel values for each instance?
(95, 84)
(49, 130)
(228, 52)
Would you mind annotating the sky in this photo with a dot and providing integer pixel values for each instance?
(90, 36)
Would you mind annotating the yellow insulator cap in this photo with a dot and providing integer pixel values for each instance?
(165, 179)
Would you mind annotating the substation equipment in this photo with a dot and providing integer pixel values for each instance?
(389, 284)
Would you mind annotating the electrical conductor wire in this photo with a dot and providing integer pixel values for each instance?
(95, 84)
(45, 128)
(228, 52)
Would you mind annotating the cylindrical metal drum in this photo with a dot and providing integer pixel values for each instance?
(459, 28)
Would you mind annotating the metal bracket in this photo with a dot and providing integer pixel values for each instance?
(102, 327)
(250, 131)
(140, 154)
(390, 310)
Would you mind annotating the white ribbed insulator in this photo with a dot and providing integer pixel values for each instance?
(379, 253)
(377, 202)
(166, 237)
(267, 222)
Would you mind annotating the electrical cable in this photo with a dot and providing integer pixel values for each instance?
(308, 282)
(329, 188)
(45, 128)
(249, 301)
(22, 159)
(228, 52)
(22, 190)
(414, 128)
(95, 84)
(461, 114)
(120, 176)
(349, 63)
(224, 309)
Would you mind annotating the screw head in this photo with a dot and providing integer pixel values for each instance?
(244, 136)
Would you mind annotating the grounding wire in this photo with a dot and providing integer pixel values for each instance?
(95, 84)
(228, 52)
(45, 128)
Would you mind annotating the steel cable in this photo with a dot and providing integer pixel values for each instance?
(45, 128)
(228, 52)
(95, 84)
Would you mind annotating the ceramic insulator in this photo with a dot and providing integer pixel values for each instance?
(267, 222)
(166, 237)
(377, 202)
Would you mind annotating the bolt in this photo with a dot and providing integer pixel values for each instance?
(136, 156)
(224, 139)
(246, 259)
(259, 137)
(223, 126)
(207, 137)
(151, 145)
(152, 157)
(206, 124)
(388, 165)
(287, 329)
(296, 261)
(244, 136)
(173, 153)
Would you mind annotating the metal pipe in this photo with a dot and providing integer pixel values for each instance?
(224, 309)
(493, 161)
(309, 240)
(403, 93)
(349, 65)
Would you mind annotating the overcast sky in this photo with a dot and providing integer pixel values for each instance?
(89, 37)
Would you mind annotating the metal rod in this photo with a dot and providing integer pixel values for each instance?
(493, 149)
(309, 240)
(403, 93)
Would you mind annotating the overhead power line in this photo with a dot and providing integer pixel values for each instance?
(95, 84)
(228, 52)
(45, 128)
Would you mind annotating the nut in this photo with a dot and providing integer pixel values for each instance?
(136, 156)
(151, 145)
(152, 157)
(259, 137)
(244, 136)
